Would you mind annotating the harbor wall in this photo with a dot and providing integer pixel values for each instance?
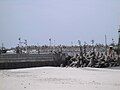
(8, 61)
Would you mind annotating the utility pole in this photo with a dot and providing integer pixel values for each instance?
(50, 47)
(119, 41)
(92, 42)
(54, 46)
(2, 46)
(80, 46)
(20, 43)
(50, 40)
(105, 44)
(26, 46)
(119, 36)
(85, 48)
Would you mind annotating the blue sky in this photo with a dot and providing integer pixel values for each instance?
(64, 21)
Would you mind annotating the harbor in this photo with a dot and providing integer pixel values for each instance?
(59, 44)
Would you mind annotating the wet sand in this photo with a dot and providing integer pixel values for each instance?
(57, 78)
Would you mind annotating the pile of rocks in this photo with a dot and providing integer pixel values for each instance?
(93, 59)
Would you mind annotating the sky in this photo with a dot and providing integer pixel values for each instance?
(64, 21)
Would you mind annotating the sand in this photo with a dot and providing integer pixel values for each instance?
(57, 78)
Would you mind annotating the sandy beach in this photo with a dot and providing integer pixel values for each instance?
(57, 78)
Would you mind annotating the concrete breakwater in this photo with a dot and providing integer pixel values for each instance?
(8, 61)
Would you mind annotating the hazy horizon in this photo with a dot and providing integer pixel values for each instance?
(64, 21)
